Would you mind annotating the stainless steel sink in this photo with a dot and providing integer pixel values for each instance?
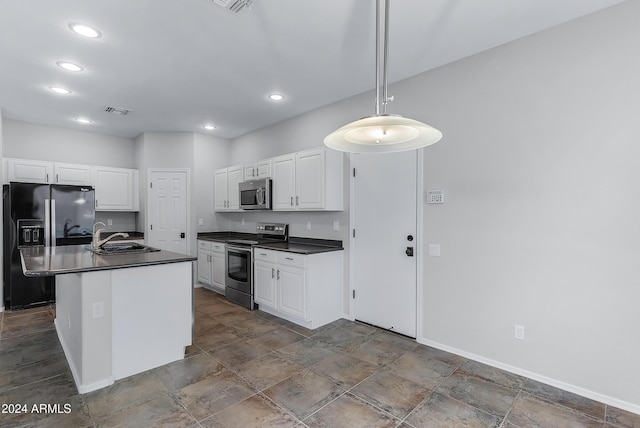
(115, 249)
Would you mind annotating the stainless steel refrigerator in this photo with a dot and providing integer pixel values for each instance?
(41, 215)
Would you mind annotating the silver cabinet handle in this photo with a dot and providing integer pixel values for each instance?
(273, 272)
(57, 180)
(263, 254)
(297, 200)
(289, 258)
(278, 273)
(292, 201)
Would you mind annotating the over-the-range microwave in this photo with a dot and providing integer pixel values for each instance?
(255, 194)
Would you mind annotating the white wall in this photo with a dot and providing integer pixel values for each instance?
(210, 153)
(42, 142)
(540, 225)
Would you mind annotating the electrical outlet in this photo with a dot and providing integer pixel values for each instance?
(98, 310)
(308, 225)
(109, 222)
(336, 225)
(243, 222)
(200, 221)
(518, 332)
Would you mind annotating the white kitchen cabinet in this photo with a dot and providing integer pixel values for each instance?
(227, 194)
(304, 289)
(72, 174)
(116, 189)
(211, 265)
(261, 169)
(29, 171)
(311, 180)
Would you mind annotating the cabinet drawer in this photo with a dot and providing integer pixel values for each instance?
(264, 255)
(204, 245)
(217, 247)
(291, 259)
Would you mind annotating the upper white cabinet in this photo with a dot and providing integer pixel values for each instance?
(116, 189)
(29, 171)
(261, 169)
(73, 174)
(227, 194)
(309, 180)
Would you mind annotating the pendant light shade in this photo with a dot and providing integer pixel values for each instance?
(382, 132)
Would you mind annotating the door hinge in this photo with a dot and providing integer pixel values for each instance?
(354, 233)
(151, 185)
(151, 226)
(354, 294)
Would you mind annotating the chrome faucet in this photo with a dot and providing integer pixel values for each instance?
(100, 243)
(96, 234)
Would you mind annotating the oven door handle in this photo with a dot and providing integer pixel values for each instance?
(241, 249)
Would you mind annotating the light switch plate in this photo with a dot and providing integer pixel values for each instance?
(434, 250)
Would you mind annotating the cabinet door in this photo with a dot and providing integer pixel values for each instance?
(264, 168)
(76, 175)
(291, 291)
(235, 177)
(284, 176)
(250, 171)
(220, 186)
(114, 189)
(265, 283)
(217, 269)
(29, 171)
(204, 267)
(310, 179)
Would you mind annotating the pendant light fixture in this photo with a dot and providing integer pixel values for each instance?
(382, 132)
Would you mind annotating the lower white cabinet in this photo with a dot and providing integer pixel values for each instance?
(211, 265)
(304, 289)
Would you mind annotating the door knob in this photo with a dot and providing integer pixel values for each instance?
(410, 238)
(182, 235)
(409, 251)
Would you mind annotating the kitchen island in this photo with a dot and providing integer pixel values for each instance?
(117, 315)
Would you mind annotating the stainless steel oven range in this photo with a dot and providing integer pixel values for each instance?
(239, 262)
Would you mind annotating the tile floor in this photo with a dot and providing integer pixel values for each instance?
(250, 369)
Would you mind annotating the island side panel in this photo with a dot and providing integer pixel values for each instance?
(152, 316)
(83, 322)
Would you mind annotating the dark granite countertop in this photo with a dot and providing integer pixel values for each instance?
(50, 261)
(294, 245)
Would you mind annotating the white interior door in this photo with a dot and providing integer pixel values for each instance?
(167, 213)
(385, 204)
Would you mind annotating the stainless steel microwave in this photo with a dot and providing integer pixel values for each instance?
(255, 194)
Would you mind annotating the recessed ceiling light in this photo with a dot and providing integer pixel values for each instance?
(83, 120)
(59, 90)
(209, 127)
(276, 97)
(85, 30)
(69, 66)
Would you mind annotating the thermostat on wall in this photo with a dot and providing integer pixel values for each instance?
(435, 196)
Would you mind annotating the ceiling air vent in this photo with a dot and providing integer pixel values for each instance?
(116, 110)
(234, 6)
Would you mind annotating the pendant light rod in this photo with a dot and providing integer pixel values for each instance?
(385, 56)
(377, 58)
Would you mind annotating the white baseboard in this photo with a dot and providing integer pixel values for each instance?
(82, 389)
(630, 407)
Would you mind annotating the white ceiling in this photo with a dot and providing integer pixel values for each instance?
(177, 64)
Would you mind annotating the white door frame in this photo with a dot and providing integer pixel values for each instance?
(187, 172)
(419, 254)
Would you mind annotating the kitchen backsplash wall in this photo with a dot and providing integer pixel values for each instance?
(121, 221)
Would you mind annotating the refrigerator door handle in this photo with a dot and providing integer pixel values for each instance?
(47, 223)
(53, 222)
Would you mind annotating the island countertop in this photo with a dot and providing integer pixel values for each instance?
(49, 261)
